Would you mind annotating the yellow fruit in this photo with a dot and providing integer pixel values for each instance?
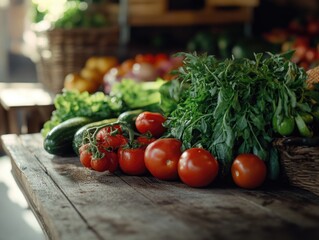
(92, 63)
(104, 64)
(92, 75)
(74, 81)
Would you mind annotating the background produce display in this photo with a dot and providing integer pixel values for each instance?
(229, 108)
(300, 35)
(90, 78)
(102, 72)
(143, 67)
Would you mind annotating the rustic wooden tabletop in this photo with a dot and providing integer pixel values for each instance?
(72, 202)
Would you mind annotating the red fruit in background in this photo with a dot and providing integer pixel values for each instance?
(313, 27)
(295, 26)
(311, 55)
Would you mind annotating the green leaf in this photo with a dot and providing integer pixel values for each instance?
(242, 123)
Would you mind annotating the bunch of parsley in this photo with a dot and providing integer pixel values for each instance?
(229, 104)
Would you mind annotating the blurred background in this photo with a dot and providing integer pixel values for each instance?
(90, 44)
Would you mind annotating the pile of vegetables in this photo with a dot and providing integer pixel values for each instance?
(217, 118)
(240, 105)
(142, 68)
(126, 95)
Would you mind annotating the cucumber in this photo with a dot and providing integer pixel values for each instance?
(59, 139)
(130, 117)
(77, 140)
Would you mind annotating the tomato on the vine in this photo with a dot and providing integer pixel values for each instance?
(161, 158)
(114, 162)
(85, 158)
(150, 122)
(107, 141)
(144, 141)
(84, 147)
(248, 171)
(131, 161)
(108, 131)
(100, 164)
(197, 167)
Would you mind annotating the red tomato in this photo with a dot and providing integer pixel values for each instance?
(131, 161)
(107, 131)
(107, 140)
(100, 164)
(161, 158)
(84, 147)
(85, 158)
(150, 122)
(145, 141)
(197, 167)
(248, 171)
(114, 162)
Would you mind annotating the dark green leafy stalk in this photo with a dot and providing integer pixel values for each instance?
(229, 105)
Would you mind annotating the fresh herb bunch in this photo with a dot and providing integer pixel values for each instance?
(229, 104)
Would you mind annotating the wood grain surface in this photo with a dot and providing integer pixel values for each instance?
(72, 202)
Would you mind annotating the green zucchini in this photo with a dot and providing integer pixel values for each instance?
(59, 140)
(79, 134)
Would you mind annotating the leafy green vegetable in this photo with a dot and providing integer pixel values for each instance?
(132, 95)
(71, 104)
(229, 104)
(126, 95)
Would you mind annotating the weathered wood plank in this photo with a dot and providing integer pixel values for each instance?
(127, 207)
(53, 210)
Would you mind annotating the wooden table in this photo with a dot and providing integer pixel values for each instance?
(30, 100)
(72, 202)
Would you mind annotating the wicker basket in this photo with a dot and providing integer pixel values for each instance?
(300, 162)
(63, 51)
(299, 157)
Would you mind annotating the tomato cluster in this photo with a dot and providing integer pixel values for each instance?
(117, 146)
